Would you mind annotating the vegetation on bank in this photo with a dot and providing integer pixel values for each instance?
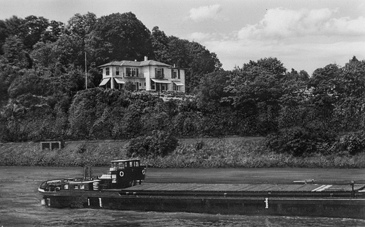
(192, 153)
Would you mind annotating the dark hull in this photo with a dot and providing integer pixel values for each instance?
(174, 198)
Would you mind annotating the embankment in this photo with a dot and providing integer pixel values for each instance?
(232, 152)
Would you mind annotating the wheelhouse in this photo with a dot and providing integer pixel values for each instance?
(123, 164)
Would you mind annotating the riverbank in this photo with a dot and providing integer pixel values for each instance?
(231, 152)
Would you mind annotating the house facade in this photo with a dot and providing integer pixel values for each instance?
(148, 75)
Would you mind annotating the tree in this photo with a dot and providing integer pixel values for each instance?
(3, 35)
(350, 93)
(212, 90)
(53, 31)
(195, 58)
(15, 27)
(160, 45)
(81, 28)
(15, 54)
(121, 36)
(202, 62)
(43, 55)
(255, 91)
(68, 50)
(324, 95)
(34, 28)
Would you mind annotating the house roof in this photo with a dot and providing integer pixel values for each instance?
(129, 63)
(135, 63)
(116, 63)
(154, 63)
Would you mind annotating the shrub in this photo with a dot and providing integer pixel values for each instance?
(353, 143)
(159, 143)
(299, 141)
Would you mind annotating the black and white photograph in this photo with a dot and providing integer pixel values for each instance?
(238, 113)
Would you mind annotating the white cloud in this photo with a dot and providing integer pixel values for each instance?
(199, 36)
(282, 23)
(205, 12)
(301, 39)
(301, 55)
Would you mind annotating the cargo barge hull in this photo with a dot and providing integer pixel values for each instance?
(341, 201)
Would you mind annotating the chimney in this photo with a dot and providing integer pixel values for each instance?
(145, 58)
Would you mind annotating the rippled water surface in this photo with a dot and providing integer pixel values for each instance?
(20, 206)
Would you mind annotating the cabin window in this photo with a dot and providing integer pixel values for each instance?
(136, 164)
(76, 187)
(82, 186)
(121, 165)
(66, 187)
(107, 71)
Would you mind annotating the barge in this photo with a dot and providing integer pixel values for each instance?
(122, 189)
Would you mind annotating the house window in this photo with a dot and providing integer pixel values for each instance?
(159, 73)
(132, 72)
(178, 74)
(176, 88)
(153, 85)
(107, 71)
(117, 71)
(174, 74)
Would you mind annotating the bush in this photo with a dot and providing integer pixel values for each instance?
(353, 143)
(159, 143)
(299, 141)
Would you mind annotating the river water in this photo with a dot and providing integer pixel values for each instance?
(20, 202)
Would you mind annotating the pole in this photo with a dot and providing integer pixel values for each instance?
(85, 72)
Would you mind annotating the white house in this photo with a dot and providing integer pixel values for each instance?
(146, 75)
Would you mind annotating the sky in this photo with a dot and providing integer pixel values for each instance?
(302, 34)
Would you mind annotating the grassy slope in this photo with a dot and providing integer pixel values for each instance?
(214, 152)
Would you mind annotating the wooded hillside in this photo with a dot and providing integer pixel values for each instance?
(43, 95)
